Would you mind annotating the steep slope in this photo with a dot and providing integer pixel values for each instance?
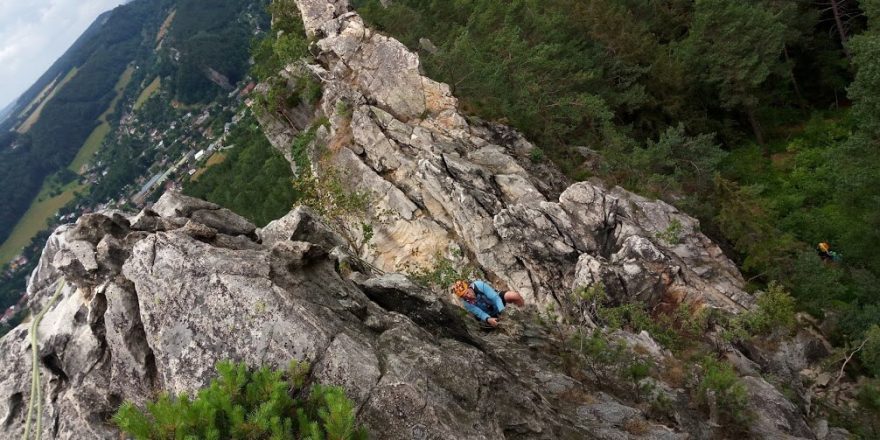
(153, 300)
(439, 183)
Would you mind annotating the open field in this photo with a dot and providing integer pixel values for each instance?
(39, 98)
(165, 25)
(147, 92)
(43, 206)
(36, 219)
(96, 138)
(35, 116)
(215, 159)
(90, 147)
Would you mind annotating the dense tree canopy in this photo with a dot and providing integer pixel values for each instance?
(254, 180)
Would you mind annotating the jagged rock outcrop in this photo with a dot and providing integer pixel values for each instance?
(187, 295)
(154, 300)
(440, 183)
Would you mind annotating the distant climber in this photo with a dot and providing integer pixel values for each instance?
(826, 254)
(479, 298)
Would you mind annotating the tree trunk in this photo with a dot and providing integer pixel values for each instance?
(756, 128)
(794, 83)
(838, 20)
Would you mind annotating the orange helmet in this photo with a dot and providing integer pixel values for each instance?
(459, 288)
(824, 247)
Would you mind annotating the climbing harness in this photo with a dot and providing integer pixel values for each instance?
(36, 392)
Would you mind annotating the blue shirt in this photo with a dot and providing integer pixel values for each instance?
(487, 303)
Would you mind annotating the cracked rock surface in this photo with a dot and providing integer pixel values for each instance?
(180, 300)
(441, 184)
(153, 300)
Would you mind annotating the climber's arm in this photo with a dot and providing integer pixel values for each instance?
(476, 311)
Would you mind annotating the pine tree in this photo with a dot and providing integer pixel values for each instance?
(245, 404)
(735, 45)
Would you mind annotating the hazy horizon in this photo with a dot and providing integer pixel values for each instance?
(33, 35)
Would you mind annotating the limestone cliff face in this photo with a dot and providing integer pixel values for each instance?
(153, 300)
(441, 183)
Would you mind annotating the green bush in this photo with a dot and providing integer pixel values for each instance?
(285, 43)
(536, 155)
(443, 273)
(672, 234)
(870, 354)
(610, 361)
(244, 404)
(674, 330)
(730, 395)
(869, 397)
(865, 421)
(773, 315)
(300, 148)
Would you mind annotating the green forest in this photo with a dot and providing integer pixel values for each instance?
(68, 119)
(205, 39)
(758, 117)
(209, 38)
(254, 180)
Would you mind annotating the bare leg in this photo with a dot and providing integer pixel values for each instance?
(512, 297)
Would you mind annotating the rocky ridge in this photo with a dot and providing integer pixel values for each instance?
(442, 184)
(154, 300)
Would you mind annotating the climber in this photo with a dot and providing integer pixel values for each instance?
(826, 254)
(479, 298)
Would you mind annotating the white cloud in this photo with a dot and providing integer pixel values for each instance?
(33, 34)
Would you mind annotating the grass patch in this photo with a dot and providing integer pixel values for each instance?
(96, 138)
(32, 119)
(147, 92)
(36, 219)
(165, 25)
(215, 159)
(89, 148)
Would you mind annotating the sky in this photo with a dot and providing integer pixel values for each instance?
(35, 33)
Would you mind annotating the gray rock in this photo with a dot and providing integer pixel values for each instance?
(397, 293)
(146, 220)
(180, 304)
(608, 411)
(155, 300)
(838, 434)
(424, 43)
(224, 221)
(93, 227)
(298, 225)
(775, 416)
(346, 363)
(175, 204)
(198, 231)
